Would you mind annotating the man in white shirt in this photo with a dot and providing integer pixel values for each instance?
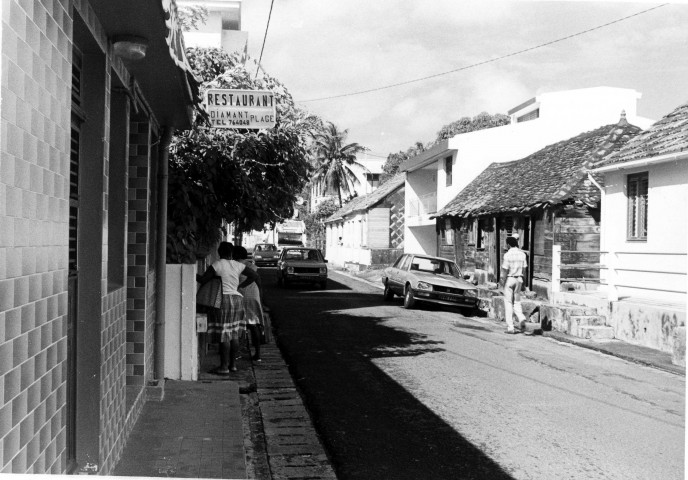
(514, 268)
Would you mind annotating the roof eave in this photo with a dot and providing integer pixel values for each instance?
(427, 157)
(165, 78)
(643, 162)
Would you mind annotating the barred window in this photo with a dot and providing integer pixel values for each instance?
(636, 191)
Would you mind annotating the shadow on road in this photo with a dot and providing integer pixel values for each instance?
(371, 426)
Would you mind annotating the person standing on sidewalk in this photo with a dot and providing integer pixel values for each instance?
(514, 268)
(231, 324)
(253, 308)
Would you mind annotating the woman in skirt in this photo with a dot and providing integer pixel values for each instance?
(253, 308)
(229, 326)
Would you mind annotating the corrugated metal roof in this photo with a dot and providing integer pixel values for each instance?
(548, 176)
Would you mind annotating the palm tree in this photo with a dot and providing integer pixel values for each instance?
(334, 160)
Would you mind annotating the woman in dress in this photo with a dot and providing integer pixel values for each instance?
(230, 325)
(253, 308)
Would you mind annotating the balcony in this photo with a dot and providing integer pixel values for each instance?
(423, 205)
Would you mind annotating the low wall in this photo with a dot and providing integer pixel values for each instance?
(651, 326)
(181, 345)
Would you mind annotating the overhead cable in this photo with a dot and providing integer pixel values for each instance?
(264, 38)
(518, 52)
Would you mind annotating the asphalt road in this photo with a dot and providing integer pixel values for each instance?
(432, 394)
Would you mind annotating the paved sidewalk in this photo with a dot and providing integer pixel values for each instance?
(194, 432)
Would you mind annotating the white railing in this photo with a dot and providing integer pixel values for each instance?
(612, 265)
(423, 205)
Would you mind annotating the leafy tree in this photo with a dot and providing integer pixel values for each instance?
(247, 177)
(315, 228)
(334, 159)
(190, 16)
(463, 125)
(466, 124)
(394, 160)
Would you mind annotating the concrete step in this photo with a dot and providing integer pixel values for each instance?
(578, 323)
(595, 332)
(591, 299)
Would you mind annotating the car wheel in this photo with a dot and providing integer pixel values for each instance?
(388, 294)
(409, 299)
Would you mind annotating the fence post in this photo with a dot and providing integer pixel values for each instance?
(556, 268)
(612, 290)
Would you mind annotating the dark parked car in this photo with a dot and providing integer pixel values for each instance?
(265, 254)
(301, 264)
(428, 279)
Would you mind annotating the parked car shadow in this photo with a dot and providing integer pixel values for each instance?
(371, 425)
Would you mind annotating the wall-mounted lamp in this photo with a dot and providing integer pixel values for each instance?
(130, 47)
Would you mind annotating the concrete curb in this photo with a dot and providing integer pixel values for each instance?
(292, 445)
(631, 353)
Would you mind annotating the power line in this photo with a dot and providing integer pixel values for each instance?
(264, 37)
(518, 52)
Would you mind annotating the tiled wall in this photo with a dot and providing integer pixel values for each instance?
(139, 283)
(113, 400)
(34, 191)
(34, 186)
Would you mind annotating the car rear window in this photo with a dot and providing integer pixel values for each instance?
(312, 255)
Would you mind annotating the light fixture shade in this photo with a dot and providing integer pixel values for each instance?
(130, 47)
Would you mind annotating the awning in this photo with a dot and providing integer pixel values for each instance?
(164, 75)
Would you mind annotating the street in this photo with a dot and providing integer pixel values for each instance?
(428, 393)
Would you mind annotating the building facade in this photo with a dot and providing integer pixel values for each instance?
(437, 175)
(90, 94)
(368, 231)
(547, 199)
(645, 235)
(222, 28)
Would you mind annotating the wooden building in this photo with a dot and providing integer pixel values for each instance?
(546, 197)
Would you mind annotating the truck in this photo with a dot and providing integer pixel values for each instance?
(289, 233)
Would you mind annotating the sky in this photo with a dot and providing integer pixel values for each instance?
(320, 48)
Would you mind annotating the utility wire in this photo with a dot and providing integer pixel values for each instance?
(264, 38)
(518, 52)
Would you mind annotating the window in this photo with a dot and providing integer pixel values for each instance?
(479, 234)
(636, 191)
(448, 170)
(373, 181)
(529, 116)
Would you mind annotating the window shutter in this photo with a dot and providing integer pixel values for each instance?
(378, 228)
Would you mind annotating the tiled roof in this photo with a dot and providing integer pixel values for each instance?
(668, 135)
(369, 200)
(548, 176)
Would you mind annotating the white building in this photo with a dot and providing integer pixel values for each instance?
(368, 179)
(644, 222)
(437, 175)
(222, 29)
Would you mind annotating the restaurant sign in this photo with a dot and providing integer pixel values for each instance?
(241, 108)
